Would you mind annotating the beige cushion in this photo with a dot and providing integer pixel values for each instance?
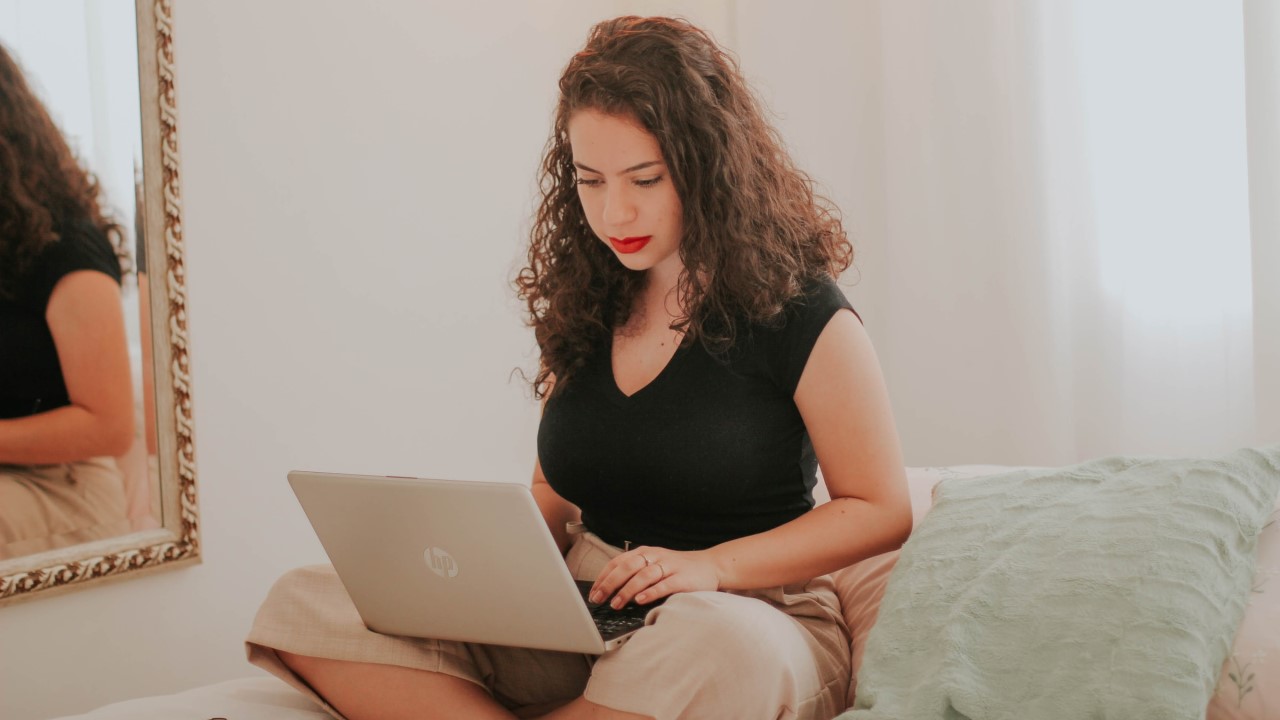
(1249, 686)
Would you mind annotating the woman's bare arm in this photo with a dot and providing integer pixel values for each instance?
(845, 406)
(86, 320)
(555, 510)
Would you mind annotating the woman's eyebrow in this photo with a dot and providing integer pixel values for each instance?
(631, 169)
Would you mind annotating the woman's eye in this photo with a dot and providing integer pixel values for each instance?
(649, 182)
(588, 182)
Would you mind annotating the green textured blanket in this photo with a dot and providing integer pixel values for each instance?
(1110, 589)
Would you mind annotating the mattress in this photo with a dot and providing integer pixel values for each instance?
(254, 698)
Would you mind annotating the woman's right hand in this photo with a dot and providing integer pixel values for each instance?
(649, 573)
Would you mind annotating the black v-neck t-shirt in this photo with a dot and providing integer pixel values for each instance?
(711, 450)
(30, 373)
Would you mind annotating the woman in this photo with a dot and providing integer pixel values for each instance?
(66, 401)
(697, 363)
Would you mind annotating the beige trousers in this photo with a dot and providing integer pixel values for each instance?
(777, 653)
(44, 507)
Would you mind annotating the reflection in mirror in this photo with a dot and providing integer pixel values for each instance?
(96, 455)
(70, 96)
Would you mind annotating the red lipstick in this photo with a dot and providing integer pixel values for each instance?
(629, 245)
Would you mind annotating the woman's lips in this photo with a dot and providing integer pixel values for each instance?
(629, 245)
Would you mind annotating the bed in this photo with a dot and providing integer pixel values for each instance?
(252, 698)
(1247, 679)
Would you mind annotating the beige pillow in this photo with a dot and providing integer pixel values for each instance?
(1249, 686)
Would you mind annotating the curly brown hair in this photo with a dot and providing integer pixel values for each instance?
(43, 187)
(731, 171)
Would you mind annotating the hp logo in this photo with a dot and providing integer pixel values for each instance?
(440, 562)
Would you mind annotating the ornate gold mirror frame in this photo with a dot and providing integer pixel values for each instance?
(177, 541)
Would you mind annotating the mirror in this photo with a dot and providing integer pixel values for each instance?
(124, 130)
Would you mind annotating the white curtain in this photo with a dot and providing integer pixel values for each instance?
(1065, 214)
(1147, 206)
(1262, 74)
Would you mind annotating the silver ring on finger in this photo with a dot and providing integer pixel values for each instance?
(661, 570)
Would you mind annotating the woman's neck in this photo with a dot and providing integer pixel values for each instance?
(657, 303)
(660, 297)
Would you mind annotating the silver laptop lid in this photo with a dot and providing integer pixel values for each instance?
(448, 559)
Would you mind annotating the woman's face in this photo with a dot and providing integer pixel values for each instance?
(626, 191)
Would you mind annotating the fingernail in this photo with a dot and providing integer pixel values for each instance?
(617, 603)
(641, 597)
(595, 597)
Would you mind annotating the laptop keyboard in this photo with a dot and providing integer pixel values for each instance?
(613, 623)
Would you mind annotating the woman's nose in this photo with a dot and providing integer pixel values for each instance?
(618, 208)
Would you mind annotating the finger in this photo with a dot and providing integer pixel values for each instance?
(617, 572)
(641, 581)
(613, 576)
(655, 592)
(606, 583)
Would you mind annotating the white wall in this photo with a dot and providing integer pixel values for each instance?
(357, 180)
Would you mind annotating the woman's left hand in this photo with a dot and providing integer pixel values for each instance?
(649, 573)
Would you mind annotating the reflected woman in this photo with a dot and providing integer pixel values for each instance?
(66, 402)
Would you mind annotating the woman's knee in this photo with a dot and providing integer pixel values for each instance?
(710, 654)
(305, 585)
(752, 636)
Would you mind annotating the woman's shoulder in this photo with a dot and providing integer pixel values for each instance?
(81, 245)
(781, 347)
(814, 302)
(819, 299)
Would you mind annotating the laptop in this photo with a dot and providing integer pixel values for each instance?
(456, 560)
